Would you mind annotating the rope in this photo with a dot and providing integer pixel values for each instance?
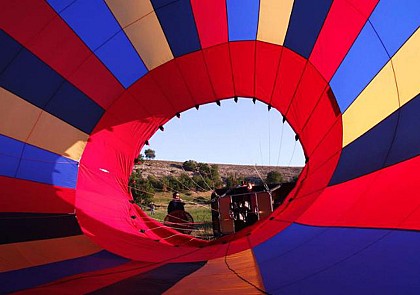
(281, 144)
(259, 175)
(293, 153)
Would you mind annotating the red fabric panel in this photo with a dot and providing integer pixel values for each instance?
(36, 25)
(194, 72)
(242, 55)
(220, 71)
(19, 195)
(171, 83)
(211, 21)
(319, 123)
(372, 200)
(307, 95)
(318, 178)
(88, 282)
(330, 145)
(291, 68)
(345, 20)
(150, 95)
(267, 63)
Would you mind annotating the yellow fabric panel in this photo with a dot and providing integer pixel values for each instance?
(28, 123)
(380, 97)
(142, 27)
(28, 254)
(17, 116)
(223, 280)
(375, 103)
(57, 136)
(274, 20)
(149, 40)
(407, 65)
(129, 11)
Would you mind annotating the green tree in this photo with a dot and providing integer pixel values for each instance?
(274, 177)
(139, 159)
(232, 180)
(150, 154)
(190, 165)
(186, 182)
(141, 189)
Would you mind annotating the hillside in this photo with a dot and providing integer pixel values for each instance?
(160, 168)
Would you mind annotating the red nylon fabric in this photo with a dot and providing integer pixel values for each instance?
(372, 200)
(211, 21)
(193, 68)
(220, 70)
(136, 115)
(285, 87)
(18, 195)
(243, 64)
(266, 69)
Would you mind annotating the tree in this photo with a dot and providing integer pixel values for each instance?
(274, 177)
(141, 189)
(139, 159)
(190, 165)
(150, 154)
(232, 181)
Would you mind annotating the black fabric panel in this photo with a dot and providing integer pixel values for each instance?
(23, 227)
(155, 281)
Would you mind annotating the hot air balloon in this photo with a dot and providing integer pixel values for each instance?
(84, 84)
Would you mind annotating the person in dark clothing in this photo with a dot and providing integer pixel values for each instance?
(176, 203)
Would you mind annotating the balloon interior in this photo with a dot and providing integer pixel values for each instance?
(85, 84)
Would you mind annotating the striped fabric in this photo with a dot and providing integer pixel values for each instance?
(84, 84)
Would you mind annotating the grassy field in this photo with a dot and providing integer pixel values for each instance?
(197, 204)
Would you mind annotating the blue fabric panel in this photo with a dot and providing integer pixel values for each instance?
(91, 20)
(10, 153)
(43, 166)
(60, 5)
(373, 150)
(13, 281)
(305, 24)
(361, 64)
(94, 23)
(242, 19)
(29, 78)
(366, 154)
(73, 106)
(340, 261)
(178, 24)
(122, 60)
(395, 22)
(8, 50)
(407, 139)
(156, 281)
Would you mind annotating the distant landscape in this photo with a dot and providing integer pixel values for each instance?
(153, 181)
(159, 168)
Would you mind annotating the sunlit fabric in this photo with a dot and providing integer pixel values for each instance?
(84, 84)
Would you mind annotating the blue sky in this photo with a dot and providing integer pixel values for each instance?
(235, 133)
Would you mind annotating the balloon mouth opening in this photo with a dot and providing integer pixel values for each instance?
(118, 225)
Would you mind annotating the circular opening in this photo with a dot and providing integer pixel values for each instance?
(103, 199)
(218, 149)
